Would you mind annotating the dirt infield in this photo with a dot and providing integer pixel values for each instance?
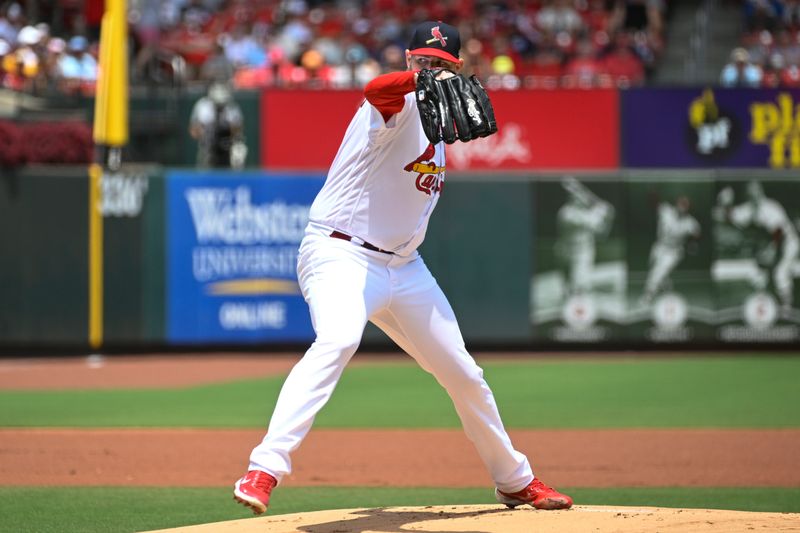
(498, 519)
(440, 458)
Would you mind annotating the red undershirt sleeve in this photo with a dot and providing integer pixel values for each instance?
(387, 92)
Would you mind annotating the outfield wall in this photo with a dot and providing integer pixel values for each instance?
(529, 261)
(554, 233)
(44, 273)
(539, 130)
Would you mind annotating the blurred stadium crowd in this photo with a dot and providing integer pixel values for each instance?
(345, 43)
(338, 43)
(769, 55)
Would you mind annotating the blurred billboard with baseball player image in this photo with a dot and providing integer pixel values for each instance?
(578, 291)
(669, 249)
(667, 259)
(757, 260)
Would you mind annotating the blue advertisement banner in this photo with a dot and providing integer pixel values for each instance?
(232, 243)
(696, 128)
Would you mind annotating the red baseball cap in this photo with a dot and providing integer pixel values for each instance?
(434, 38)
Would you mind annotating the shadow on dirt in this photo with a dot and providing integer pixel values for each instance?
(392, 521)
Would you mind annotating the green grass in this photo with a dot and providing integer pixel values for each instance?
(757, 392)
(122, 510)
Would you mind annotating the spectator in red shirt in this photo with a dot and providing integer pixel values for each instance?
(583, 69)
(790, 77)
(597, 17)
(544, 70)
(190, 41)
(771, 72)
(623, 64)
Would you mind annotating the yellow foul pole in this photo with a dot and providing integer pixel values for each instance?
(110, 134)
(95, 256)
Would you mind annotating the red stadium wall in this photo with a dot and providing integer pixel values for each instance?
(538, 130)
(301, 130)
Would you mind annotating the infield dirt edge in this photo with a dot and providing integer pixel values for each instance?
(498, 519)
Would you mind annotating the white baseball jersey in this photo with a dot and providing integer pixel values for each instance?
(384, 182)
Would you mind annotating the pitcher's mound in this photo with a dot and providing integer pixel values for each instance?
(495, 519)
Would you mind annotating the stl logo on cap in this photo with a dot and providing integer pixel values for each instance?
(437, 36)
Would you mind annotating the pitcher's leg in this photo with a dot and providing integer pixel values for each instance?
(340, 293)
(424, 325)
(306, 390)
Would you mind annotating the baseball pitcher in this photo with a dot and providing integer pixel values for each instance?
(359, 262)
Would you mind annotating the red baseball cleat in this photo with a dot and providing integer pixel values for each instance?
(537, 495)
(253, 490)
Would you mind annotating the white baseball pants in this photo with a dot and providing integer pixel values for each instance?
(345, 285)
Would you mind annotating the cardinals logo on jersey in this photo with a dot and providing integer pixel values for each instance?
(430, 177)
(437, 36)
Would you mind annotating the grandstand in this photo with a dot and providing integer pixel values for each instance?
(343, 44)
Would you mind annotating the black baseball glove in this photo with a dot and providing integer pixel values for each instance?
(453, 108)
